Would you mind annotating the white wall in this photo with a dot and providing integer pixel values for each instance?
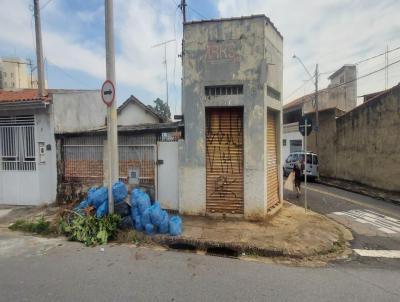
(33, 187)
(133, 114)
(292, 135)
(76, 111)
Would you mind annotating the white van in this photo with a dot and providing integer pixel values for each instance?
(311, 166)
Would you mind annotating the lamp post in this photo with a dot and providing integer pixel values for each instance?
(316, 98)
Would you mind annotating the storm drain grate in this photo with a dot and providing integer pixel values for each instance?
(222, 252)
(182, 247)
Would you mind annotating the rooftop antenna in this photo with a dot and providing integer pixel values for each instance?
(165, 63)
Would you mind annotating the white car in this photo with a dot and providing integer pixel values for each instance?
(311, 166)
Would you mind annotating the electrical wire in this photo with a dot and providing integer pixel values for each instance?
(197, 12)
(376, 56)
(363, 76)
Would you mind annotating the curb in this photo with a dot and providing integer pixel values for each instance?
(388, 199)
(239, 248)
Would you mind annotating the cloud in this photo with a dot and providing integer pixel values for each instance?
(73, 39)
(330, 32)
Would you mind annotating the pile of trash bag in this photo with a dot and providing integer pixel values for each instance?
(151, 218)
(141, 214)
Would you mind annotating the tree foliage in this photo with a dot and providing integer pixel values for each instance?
(162, 108)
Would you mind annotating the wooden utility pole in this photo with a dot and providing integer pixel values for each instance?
(39, 48)
(112, 131)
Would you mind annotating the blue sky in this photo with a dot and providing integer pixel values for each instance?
(330, 32)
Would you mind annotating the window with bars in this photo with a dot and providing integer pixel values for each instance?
(17, 143)
(223, 90)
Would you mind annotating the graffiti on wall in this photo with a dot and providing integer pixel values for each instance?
(224, 149)
(218, 52)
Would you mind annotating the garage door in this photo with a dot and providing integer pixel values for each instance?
(224, 156)
(272, 162)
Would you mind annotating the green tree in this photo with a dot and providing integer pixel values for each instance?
(162, 108)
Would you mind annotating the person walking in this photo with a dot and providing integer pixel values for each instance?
(297, 168)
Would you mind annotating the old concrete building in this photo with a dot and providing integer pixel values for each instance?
(232, 84)
(362, 145)
(340, 95)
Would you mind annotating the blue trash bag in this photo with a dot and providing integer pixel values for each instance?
(99, 197)
(138, 224)
(149, 229)
(143, 202)
(90, 195)
(175, 226)
(145, 217)
(134, 211)
(155, 213)
(119, 191)
(135, 196)
(164, 224)
(102, 210)
(83, 205)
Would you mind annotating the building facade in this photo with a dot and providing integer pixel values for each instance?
(232, 84)
(340, 95)
(14, 74)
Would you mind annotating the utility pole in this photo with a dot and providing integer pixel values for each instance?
(112, 131)
(39, 48)
(316, 110)
(182, 6)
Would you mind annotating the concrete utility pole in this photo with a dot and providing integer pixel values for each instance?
(39, 48)
(112, 131)
(316, 109)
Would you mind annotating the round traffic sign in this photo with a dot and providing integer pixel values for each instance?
(305, 126)
(108, 92)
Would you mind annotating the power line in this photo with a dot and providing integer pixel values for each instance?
(363, 76)
(197, 12)
(301, 86)
(378, 55)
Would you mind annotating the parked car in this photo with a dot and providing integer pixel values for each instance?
(311, 166)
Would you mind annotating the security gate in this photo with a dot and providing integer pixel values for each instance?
(272, 162)
(224, 160)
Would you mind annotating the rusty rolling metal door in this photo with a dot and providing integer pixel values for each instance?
(224, 160)
(272, 162)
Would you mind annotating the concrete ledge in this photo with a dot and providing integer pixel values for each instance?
(289, 233)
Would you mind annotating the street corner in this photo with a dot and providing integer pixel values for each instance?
(309, 234)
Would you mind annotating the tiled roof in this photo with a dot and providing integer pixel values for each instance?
(299, 101)
(24, 95)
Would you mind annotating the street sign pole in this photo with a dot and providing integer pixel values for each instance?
(305, 128)
(305, 166)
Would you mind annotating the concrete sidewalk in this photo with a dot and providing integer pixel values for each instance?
(290, 233)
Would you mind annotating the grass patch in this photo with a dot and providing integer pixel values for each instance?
(39, 226)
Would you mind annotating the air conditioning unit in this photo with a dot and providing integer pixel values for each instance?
(133, 176)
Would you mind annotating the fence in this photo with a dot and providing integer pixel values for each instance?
(83, 158)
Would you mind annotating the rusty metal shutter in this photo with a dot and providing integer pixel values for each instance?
(272, 162)
(224, 160)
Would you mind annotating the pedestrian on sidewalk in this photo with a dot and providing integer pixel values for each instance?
(297, 168)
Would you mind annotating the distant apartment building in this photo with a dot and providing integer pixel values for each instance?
(15, 74)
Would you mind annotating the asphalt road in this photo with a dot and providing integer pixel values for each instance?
(34, 269)
(375, 224)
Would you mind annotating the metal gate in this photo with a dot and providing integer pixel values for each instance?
(224, 160)
(272, 162)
